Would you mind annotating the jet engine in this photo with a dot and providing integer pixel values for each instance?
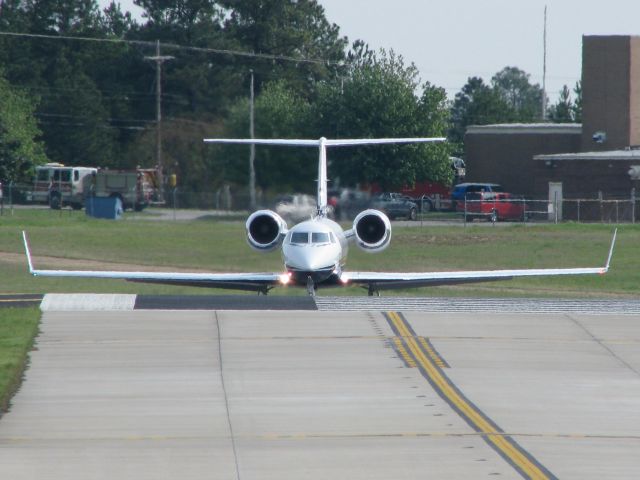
(265, 230)
(372, 230)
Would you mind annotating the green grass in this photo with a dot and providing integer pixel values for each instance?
(18, 328)
(220, 245)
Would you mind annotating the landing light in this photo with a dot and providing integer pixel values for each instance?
(344, 278)
(285, 278)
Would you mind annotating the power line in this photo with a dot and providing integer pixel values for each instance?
(217, 51)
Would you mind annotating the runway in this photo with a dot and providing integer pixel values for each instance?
(291, 394)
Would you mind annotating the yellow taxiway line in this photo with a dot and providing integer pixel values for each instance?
(417, 351)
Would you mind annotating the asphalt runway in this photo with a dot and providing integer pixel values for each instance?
(368, 394)
(20, 300)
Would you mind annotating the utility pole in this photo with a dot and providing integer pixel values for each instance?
(252, 152)
(544, 67)
(159, 59)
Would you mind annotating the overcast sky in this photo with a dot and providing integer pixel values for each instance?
(452, 40)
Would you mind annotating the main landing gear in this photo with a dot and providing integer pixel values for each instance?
(373, 290)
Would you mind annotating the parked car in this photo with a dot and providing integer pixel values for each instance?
(463, 189)
(494, 206)
(396, 205)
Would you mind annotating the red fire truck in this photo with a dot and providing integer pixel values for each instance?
(58, 185)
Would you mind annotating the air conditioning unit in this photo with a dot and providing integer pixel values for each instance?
(634, 172)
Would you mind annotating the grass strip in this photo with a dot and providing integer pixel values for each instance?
(18, 329)
(218, 245)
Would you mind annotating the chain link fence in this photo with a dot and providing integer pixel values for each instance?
(584, 210)
(597, 209)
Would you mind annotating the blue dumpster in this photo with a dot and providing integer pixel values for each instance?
(104, 207)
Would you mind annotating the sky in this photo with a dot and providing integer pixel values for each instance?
(452, 40)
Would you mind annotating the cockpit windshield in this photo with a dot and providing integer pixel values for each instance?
(320, 237)
(317, 238)
(299, 237)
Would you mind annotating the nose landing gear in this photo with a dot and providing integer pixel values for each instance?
(311, 288)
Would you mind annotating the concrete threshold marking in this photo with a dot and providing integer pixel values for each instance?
(503, 444)
(63, 302)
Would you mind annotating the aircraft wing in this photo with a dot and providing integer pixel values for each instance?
(388, 280)
(260, 282)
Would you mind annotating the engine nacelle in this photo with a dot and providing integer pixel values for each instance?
(372, 230)
(265, 230)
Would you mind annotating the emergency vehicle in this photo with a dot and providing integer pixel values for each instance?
(58, 185)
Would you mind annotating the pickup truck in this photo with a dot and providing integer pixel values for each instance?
(493, 206)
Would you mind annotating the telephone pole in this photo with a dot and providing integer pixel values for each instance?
(159, 59)
(252, 152)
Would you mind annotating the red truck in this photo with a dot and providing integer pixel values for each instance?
(493, 206)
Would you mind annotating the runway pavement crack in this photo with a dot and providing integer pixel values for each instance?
(226, 399)
(603, 345)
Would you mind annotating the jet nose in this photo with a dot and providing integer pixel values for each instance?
(309, 258)
(303, 259)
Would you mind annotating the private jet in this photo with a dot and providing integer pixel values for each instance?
(315, 250)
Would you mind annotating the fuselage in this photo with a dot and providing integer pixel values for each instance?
(315, 249)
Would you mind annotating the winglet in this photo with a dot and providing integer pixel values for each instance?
(26, 249)
(613, 243)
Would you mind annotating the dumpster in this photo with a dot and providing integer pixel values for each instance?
(104, 207)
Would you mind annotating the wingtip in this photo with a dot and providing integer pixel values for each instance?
(25, 239)
(613, 244)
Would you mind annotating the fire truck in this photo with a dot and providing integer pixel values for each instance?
(59, 185)
(136, 189)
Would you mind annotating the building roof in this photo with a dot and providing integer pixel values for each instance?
(611, 155)
(526, 129)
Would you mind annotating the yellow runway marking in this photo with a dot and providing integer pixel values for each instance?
(515, 455)
(18, 300)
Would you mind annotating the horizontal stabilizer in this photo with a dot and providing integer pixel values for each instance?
(323, 141)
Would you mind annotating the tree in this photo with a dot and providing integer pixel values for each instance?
(523, 98)
(476, 104)
(279, 113)
(20, 149)
(577, 104)
(77, 124)
(510, 98)
(562, 110)
(377, 98)
(290, 28)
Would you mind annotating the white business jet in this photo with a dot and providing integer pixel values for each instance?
(315, 251)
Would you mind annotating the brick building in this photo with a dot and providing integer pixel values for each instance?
(504, 153)
(586, 159)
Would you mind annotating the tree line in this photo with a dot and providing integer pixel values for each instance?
(77, 86)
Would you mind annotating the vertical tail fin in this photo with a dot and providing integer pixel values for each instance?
(322, 144)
